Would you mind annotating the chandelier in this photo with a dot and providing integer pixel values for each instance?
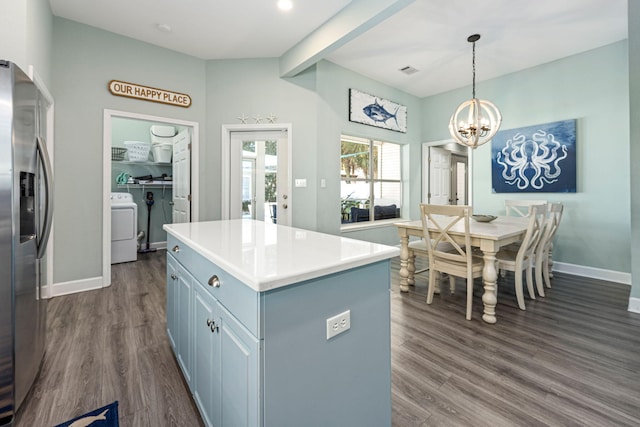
(475, 121)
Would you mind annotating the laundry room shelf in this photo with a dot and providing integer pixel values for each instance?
(127, 162)
(168, 184)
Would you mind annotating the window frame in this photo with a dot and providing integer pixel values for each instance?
(372, 182)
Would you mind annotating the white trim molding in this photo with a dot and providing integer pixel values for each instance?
(592, 272)
(634, 305)
(66, 288)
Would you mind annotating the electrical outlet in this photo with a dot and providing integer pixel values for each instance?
(338, 324)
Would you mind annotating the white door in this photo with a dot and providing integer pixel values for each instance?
(268, 151)
(459, 179)
(182, 177)
(439, 176)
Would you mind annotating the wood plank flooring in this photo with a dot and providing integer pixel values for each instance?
(570, 359)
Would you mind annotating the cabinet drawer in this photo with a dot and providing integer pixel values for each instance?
(234, 295)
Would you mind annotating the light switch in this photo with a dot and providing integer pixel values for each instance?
(301, 182)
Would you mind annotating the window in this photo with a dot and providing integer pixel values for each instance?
(370, 180)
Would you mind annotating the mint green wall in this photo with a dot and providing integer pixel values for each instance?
(634, 95)
(252, 87)
(333, 86)
(591, 87)
(85, 59)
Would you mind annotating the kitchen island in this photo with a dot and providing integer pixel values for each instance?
(278, 326)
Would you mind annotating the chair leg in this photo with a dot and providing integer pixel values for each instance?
(452, 284)
(550, 262)
(519, 291)
(532, 294)
(545, 272)
(539, 280)
(469, 297)
(432, 285)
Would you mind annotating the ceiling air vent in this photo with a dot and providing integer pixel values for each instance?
(408, 70)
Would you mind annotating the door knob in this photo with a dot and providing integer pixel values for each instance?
(284, 196)
(284, 206)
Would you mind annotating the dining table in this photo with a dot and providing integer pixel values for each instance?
(489, 237)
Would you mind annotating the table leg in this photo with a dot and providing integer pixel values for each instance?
(489, 297)
(404, 261)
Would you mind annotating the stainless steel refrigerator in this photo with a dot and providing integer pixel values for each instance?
(25, 223)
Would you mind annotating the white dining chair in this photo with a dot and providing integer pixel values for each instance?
(521, 259)
(520, 208)
(459, 261)
(420, 248)
(544, 250)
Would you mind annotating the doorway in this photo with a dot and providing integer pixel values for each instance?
(256, 172)
(183, 170)
(446, 173)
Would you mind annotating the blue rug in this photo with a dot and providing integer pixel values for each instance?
(107, 416)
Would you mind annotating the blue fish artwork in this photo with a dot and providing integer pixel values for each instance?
(375, 111)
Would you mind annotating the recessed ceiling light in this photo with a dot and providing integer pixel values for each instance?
(165, 28)
(285, 4)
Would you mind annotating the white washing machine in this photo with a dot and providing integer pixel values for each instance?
(124, 228)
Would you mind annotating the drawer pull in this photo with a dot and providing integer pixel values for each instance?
(173, 276)
(214, 281)
(176, 249)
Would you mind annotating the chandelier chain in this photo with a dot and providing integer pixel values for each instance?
(473, 66)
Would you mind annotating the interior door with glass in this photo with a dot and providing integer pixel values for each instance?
(259, 177)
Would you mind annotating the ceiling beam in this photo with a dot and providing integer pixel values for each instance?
(353, 20)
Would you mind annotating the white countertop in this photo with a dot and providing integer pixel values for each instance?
(266, 256)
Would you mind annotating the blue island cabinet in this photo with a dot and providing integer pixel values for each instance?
(262, 357)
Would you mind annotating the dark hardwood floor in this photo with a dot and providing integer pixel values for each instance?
(570, 359)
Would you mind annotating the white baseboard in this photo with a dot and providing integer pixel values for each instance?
(594, 273)
(634, 305)
(154, 245)
(66, 288)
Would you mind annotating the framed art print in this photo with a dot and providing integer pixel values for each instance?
(375, 111)
(535, 159)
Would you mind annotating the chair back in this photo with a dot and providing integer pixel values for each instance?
(521, 207)
(437, 224)
(554, 215)
(535, 230)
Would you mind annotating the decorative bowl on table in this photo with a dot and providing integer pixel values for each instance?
(484, 218)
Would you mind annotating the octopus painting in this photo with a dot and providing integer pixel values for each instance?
(536, 158)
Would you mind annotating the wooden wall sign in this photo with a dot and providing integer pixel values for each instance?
(132, 90)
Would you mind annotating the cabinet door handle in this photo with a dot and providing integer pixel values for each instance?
(214, 281)
(213, 327)
(173, 276)
(176, 249)
(209, 322)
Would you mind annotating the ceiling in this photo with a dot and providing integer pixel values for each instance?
(429, 35)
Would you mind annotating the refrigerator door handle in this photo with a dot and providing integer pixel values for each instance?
(48, 212)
